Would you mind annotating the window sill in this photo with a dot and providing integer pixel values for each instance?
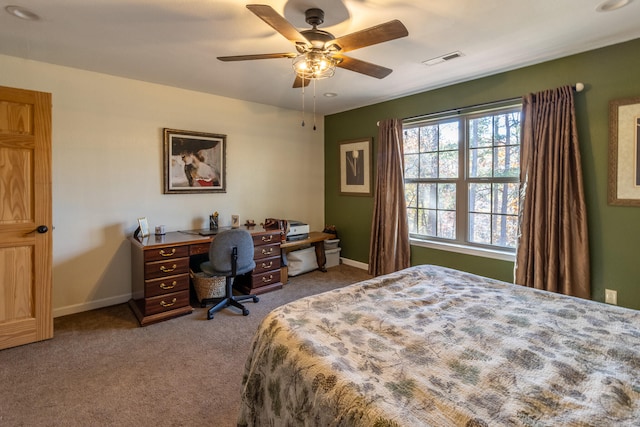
(467, 250)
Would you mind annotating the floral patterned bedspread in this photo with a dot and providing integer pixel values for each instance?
(431, 346)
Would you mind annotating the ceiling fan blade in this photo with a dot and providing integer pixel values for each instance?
(258, 56)
(278, 23)
(298, 82)
(380, 33)
(362, 67)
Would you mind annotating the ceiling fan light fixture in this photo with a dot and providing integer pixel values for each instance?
(314, 65)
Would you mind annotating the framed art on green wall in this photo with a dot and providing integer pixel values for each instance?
(624, 153)
(355, 167)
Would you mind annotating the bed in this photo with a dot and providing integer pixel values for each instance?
(431, 346)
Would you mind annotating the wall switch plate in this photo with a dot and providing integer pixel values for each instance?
(611, 296)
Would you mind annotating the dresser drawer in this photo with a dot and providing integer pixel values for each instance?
(166, 285)
(267, 264)
(266, 239)
(264, 279)
(165, 302)
(200, 248)
(170, 267)
(157, 254)
(266, 251)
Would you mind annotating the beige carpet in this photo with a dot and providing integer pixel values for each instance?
(101, 368)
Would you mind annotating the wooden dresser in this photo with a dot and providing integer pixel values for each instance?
(160, 271)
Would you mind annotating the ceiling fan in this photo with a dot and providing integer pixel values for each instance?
(319, 52)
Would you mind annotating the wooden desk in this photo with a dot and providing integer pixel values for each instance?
(160, 271)
(316, 238)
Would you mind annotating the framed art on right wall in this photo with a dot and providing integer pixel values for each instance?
(624, 153)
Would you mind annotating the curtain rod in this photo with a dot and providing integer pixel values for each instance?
(578, 87)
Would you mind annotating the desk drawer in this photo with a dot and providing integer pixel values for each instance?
(199, 248)
(165, 302)
(166, 285)
(172, 267)
(157, 254)
(266, 239)
(267, 264)
(266, 251)
(264, 279)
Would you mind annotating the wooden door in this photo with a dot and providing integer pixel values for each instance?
(25, 217)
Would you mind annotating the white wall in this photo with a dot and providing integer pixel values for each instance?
(107, 170)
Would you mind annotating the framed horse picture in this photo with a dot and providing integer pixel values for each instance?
(194, 162)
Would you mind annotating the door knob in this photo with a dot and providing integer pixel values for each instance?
(42, 229)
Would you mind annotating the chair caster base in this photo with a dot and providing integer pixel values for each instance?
(256, 299)
(245, 312)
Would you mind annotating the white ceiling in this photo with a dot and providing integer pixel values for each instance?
(176, 42)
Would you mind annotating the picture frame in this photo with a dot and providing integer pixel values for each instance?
(624, 152)
(194, 162)
(235, 221)
(143, 224)
(355, 167)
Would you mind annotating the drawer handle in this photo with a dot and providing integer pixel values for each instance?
(264, 264)
(267, 239)
(267, 251)
(168, 304)
(168, 270)
(171, 286)
(265, 280)
(173, 252)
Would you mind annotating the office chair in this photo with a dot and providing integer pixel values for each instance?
(230, 255)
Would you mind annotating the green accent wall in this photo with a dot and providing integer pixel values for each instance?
(614, 231)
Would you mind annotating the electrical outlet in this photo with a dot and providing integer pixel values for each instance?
(611, 296)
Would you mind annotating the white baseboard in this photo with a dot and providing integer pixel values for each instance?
(106, 302)
(357, 264)
(90, 305)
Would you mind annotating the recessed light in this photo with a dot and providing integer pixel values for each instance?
(330, 94)
(609, 5)
(22, 13)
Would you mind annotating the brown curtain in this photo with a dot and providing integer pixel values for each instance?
(389, 249)
(553, 247)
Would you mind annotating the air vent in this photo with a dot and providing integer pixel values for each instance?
(443, 58)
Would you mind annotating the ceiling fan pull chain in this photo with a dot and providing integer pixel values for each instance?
(314, 104)
(303, 102)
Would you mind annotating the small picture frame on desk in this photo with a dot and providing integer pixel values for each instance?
(143, 226)
(235, 221)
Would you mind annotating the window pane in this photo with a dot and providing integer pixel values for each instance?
(480, 228)
(412, 219)
(429, 165)
(427, 222)
(411, 195)
(447, 196)
(428, 197)
(513, 128)
(449, 136)
(481, 132)
(504, 230)
(505, 198)
(507, 161)
(480, 162)
(448, 164)
(411, 166)
(411, 140)
(428, 139)
(480, 198)
(447, 224)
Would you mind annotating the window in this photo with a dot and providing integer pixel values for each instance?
(462, 178)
